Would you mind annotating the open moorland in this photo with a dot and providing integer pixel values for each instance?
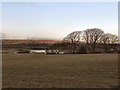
(60, 71)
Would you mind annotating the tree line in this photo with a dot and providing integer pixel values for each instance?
(92, 40)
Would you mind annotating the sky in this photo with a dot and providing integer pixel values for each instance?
(55, 20)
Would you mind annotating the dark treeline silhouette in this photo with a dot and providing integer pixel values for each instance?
(88, 41)
(81, 48)
(26, 46)
(69, 48)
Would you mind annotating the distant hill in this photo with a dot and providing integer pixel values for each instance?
(30, 41)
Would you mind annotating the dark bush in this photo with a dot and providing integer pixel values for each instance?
(82, 50)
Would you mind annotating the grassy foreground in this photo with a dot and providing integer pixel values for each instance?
(60, 71)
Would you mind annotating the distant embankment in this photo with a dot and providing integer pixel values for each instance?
(28, 43)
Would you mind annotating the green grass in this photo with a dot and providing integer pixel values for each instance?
(60, 71)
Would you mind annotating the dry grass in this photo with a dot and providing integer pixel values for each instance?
(60, 71)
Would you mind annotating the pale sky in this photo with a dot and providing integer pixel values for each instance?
(54, 20)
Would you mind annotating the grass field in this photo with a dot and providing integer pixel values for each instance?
(60, 71)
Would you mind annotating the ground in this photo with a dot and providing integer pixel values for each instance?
(60, 71)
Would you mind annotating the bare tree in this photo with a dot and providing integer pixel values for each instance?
(109, 40)
(113, 39)
(73, 37)
(92, 38)
(104, 40)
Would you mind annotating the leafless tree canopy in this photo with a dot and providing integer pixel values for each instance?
(92, 35)
(93, 38)
(113, 39)
(74, 37)
(109, 38)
